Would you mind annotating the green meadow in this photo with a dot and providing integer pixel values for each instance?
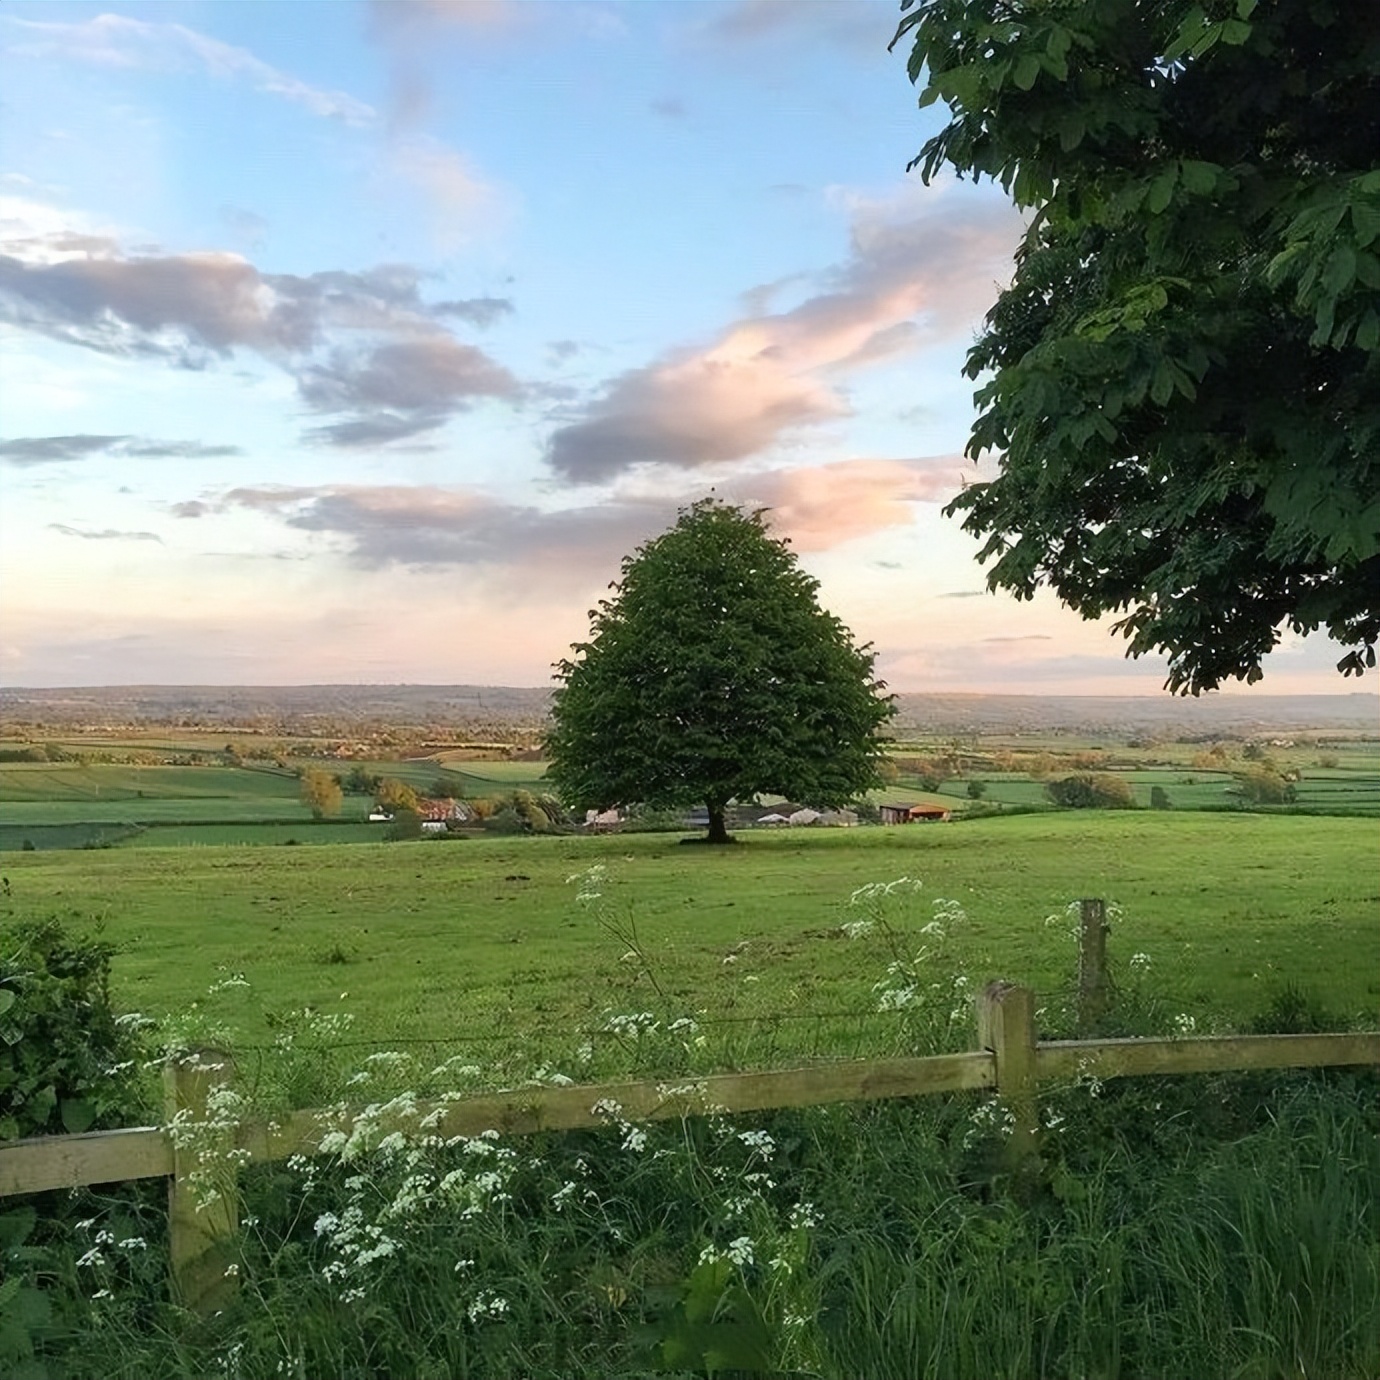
(484, 938)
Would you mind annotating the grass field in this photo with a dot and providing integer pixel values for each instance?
(456, 939)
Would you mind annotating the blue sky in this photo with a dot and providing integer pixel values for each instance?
(360, 341)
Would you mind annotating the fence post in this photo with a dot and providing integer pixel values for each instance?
(203, 1204)
(1006, 1026)
(1093, 985)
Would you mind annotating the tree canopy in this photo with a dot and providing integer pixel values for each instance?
(1182, 383)
(711, 675)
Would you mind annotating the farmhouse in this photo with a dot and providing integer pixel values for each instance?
(912, 814)
(603, 821)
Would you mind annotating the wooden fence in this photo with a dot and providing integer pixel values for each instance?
(1009, 1060)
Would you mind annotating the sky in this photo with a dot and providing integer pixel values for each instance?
(360, 342)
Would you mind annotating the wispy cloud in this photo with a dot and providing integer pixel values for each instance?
(113, 40)
(918, 271)
(430, 525)
(109, 534)
(859, 25)
(47, 450)
(460, 199)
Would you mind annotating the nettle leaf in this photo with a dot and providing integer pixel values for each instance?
(78, 1114)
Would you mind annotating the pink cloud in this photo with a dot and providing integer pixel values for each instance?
(825, 506)
(919, 270)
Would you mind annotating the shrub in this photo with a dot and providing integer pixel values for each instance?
(1265, 787)
(66, 1062)
(407, 824)
(1093, 791)
(1159, 798)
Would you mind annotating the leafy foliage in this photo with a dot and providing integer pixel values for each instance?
(1183, 379)
(395, 795)
(321, 793)
(66, 1062)
(1092, 791)
(1262, 786)
(713, 674)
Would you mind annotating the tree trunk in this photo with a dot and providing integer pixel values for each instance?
(718, 833)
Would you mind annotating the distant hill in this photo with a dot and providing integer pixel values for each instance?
(329, 709)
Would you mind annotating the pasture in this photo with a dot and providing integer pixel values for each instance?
(484, 938)
(145, 801)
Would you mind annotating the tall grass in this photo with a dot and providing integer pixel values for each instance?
(870, 1241)
(1211, 1226)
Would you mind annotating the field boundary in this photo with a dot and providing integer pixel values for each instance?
(1009, 1060)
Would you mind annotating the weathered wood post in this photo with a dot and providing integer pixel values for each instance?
(1093, 985)
(203, 1205)
(1006, 1026)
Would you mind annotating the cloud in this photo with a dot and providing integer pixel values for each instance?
(963, 594)
(918, 270)
(364, 343)
(860, 25)
(1026, 637)
(478, 311)
(45, 450)
(826, 505)
(402, 388)
(108, 535)
(112, 40)
(669, 108)
(391, 17)
(428, 526)
(460, 199)
(411, 31)
(434, 526)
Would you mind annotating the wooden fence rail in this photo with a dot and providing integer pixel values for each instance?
(1009, 1060)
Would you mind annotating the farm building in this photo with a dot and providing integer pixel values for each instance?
(914, 814)
(602, 821)
(442, 811)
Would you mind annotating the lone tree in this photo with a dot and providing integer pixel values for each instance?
(1182, 382)
(321, 793)
(711, 675)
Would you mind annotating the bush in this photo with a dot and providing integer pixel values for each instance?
(66, 1062)
(1159, 798)
(1095, 791)
(507, 821)
(407, 824)
(1264, 787)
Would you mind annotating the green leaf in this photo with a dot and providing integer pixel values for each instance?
(1162, 189)
(1368, 332)
(1206, 41)
(1235, 32)
(1027, 70)
(1365, 218)
(15, 1227)
(1199, 177)
(1162, 383)
(7, 999)
(1341, 270)
(77, 1113)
